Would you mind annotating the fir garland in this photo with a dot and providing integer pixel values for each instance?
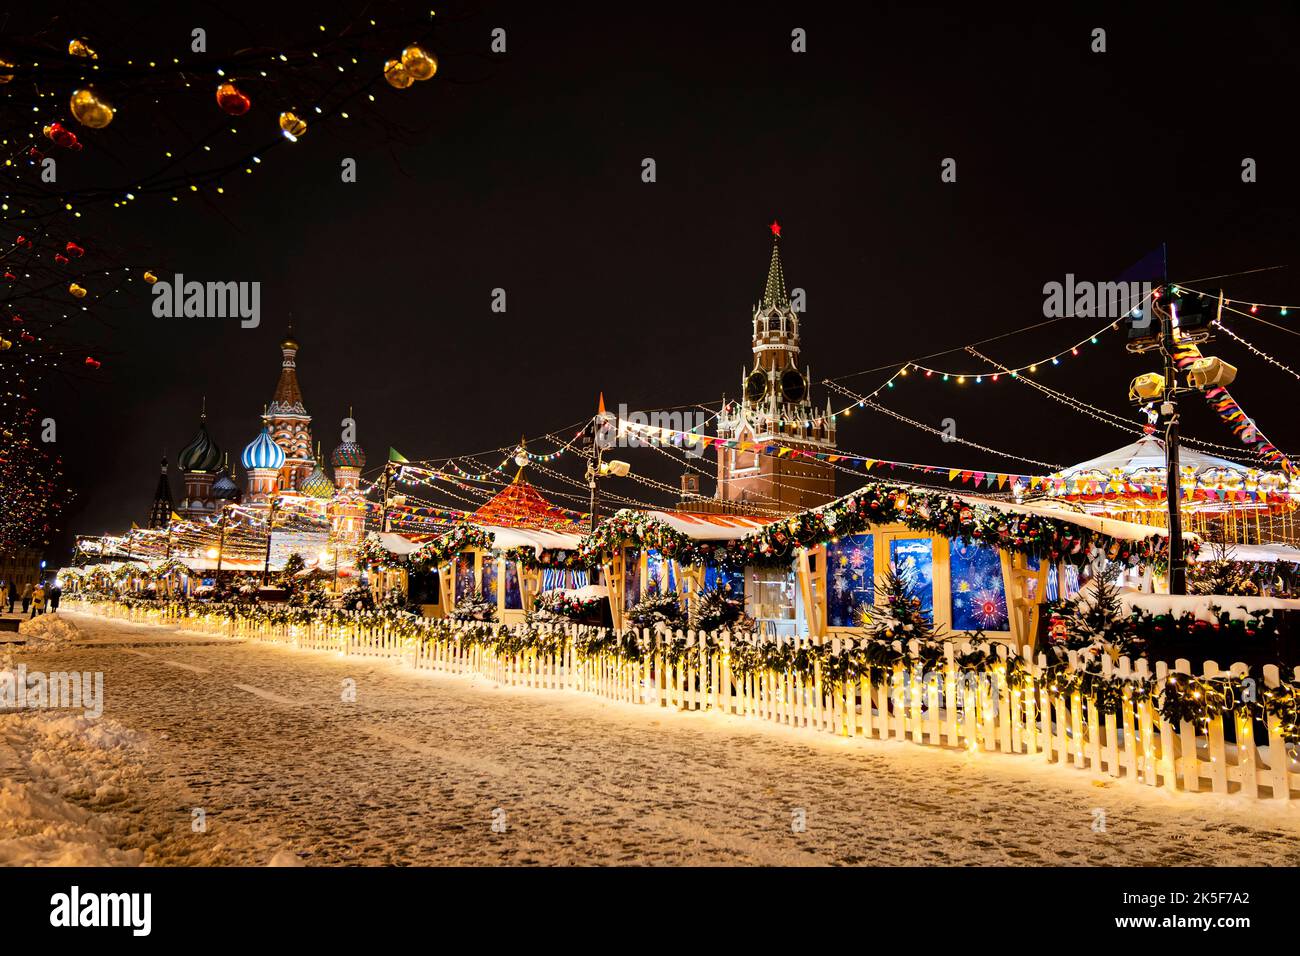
(441, 550)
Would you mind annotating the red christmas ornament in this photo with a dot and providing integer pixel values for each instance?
(61, 259)
(91, 362)
(74, 250)
(60, 135)
(18, 320)
(232, 99)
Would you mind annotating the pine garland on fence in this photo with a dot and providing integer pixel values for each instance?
(1178, 697)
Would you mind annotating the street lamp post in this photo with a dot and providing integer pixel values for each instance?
(270, 530)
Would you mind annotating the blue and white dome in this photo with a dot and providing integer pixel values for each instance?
(263, 452)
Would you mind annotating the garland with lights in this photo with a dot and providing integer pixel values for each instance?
(1180, 697)
(937, 513)
(442, 550)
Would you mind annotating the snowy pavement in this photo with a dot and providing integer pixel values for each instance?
(420, 769)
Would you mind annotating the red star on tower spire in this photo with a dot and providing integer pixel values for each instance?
(776, 228)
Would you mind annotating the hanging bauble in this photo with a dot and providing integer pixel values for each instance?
(89, 110)
(5, 345)
(150, 278)
(418, 62)
(79, 47)
(92, 362)
(74, 250)
(60, 259)
(77, 291)
(292, 126)
(232, 99)
(397, 75)
(5, 77)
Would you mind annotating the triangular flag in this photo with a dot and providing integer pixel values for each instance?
(396, 456)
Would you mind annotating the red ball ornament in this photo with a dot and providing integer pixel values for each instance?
(61, 259)
(74, 250)
(232, 99)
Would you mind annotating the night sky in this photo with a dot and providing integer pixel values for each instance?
(523, 172)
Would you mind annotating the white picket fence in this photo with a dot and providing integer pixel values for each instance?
(1134, 744)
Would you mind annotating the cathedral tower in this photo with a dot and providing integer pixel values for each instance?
(288, 421)
(199, 462)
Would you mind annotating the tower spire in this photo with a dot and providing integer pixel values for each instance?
(774, 293)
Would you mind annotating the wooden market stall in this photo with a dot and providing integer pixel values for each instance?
(513, 548)
(977, 565)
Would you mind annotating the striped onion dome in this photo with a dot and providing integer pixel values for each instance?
(318, 484)
(348, 455)
(202, 453)
(263, 452)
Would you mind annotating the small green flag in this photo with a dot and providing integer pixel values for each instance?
(395, 455)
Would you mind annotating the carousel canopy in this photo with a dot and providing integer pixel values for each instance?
(1146, 458)
(520, 505)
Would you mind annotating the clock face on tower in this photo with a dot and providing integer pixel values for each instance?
(756, 385)
(792, 386)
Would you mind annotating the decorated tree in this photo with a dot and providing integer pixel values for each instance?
(657, 609)
(714, 608)
(902, 617)
(1222, 574)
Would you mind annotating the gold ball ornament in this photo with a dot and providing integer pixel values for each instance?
(5, 345)
(397, 75)
(150, 278)
(79, 47)
(419, 62)
(292, 126)
(77, 291)
(89, 110)
(6, 77)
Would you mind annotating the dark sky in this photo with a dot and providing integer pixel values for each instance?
(525, 175)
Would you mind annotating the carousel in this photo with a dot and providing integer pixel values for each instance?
(1220, 499)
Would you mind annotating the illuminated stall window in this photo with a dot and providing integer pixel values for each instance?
(730, 581)
(488, 576)
(979, 597)
(464, 576)
(659, 573)
(771, 598)
(850, 579)
(631, 577)
(914, 558)
(514, 596)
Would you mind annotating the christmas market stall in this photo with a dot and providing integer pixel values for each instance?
(495, 563)
(973, 564)
(660, 566)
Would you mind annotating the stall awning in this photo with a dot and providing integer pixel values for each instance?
(705, 527)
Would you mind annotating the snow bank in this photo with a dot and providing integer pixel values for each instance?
(1199, 605)
(46, 629)
(63, 777)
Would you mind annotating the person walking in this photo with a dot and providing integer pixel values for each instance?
(13, 594)
(38, 600)
(56, 592)
(27, 596)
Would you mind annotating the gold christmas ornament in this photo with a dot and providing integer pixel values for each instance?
(89, 110)
(79, 47)
(292, 126)
(77, 291)
(5, 344)
(150, 278)
(397, 75)
(5, 77)
(418, 62)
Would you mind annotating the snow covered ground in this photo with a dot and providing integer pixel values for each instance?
(217, 752)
